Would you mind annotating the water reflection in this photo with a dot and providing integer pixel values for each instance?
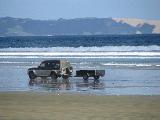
(66, 84)
(90, 85)
(63, 84)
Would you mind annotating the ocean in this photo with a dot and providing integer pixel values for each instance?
(131, 62)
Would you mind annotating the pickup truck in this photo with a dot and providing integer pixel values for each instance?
(51, 68)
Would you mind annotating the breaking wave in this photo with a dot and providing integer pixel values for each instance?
(86, 49)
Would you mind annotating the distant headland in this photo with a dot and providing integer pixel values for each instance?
(79, 26)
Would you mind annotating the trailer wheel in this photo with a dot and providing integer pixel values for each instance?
(96, 77)
(85, 78)
(32, 75)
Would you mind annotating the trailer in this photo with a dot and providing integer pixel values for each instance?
(96, 74)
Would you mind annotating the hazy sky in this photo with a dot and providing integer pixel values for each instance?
(54, 9)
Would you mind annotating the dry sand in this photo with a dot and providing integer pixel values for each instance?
(49, 106)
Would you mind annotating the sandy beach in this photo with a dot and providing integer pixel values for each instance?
(50, 106)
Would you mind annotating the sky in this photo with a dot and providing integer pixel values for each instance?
(67, 9)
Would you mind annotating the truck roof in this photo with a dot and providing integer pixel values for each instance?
(50, 61)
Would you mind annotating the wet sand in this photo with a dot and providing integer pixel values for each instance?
(50, 106)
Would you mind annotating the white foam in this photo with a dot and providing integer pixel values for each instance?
(101, 54)
(130, 64)
(87, 49)
(86, 57)
(11, 62)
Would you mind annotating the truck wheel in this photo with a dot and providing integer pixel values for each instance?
(54, 76)
(85, 78)
(96, 79)
(32, 75)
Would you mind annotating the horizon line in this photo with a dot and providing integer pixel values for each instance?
(79, 18)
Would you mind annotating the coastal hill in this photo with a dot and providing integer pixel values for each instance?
(135, 22)
(79, 26)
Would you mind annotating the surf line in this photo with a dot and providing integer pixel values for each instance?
(79, 53)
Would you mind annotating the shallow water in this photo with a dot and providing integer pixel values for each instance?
(117, 81)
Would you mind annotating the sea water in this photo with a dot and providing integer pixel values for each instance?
(131, 62)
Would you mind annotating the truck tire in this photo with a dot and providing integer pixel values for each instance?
(32, 75)
(54, 76)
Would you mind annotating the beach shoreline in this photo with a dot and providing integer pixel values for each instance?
(65, 106)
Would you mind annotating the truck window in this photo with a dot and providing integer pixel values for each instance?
(42, 65)
(55, 66)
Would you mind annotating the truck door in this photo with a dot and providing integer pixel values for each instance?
(43, 70)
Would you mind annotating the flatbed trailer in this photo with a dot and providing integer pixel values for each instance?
(96, 74)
